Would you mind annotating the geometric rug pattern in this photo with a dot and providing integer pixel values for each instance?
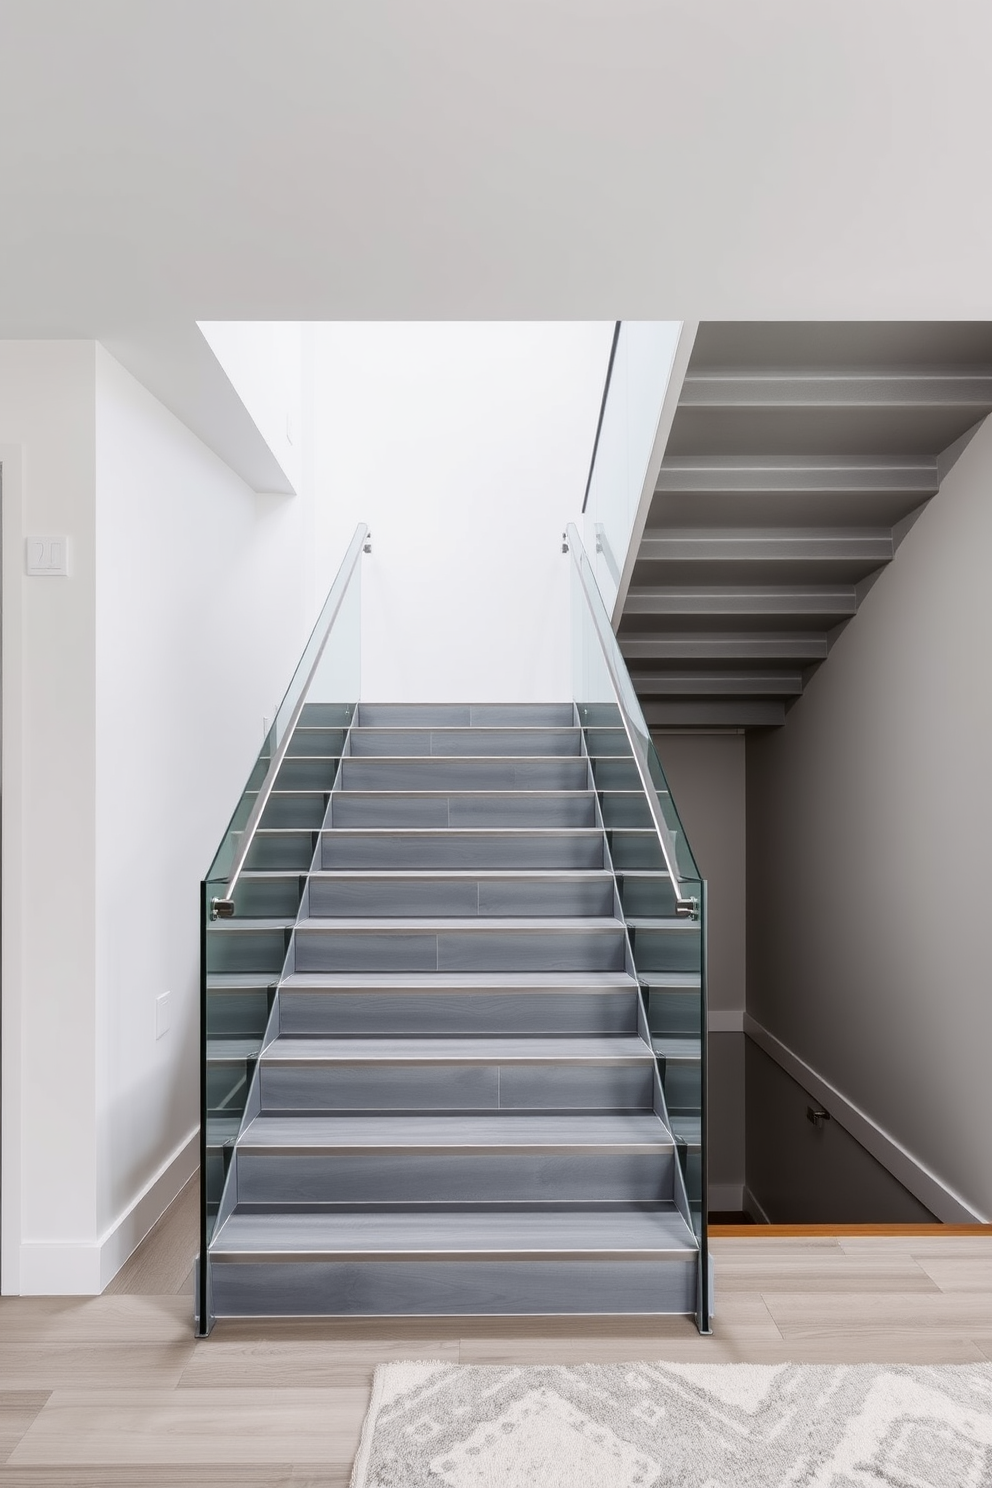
(440, 1425)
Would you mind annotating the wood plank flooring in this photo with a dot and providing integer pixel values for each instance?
(113, 1391)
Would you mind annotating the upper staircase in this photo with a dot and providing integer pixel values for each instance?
(456, 1106)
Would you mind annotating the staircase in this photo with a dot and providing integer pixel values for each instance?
(456, 1106)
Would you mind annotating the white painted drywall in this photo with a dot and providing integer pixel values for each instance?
(466, 447)
(132, 714)
(47, 392)
(263, 360)
(203, 606)
(869, 822)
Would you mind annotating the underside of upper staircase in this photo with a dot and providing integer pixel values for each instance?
(458, 1006)
(799, 456)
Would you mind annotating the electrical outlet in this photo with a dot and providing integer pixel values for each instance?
(163, 1014)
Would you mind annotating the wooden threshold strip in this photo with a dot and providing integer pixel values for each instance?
(795, 1231)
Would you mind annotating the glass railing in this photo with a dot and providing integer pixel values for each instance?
(662, 894)
(625, 456)
(251, 895)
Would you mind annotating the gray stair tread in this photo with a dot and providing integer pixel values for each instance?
(253, 923)
(447, 759)
(233, 1048)
(456, 875)
(688, 1128)
(676, 1048)
(487, 1049)
(657, 1230)
(671, 981)
(456, 981)
(574, 924)
(302, 1133)
(419, 833)
(672, 922)
(241, 981)
(443, 792)
(221, 1129)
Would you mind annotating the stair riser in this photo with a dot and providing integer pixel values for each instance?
(459, 951)
(631, 850)
(384, 1013)
(674, 1014)
(291, 851)
(503, 743)
(373, 1177)
(462, 810)
(682, 1084)
(648, 897)
(237, 1014)
(607, 741)
(465, 715)
(306, 774)
(246, 951)
(449, 898)
(452, 1287)
(461, 774)
(614, 773)
(468, 1087)
(311, 741)
(227, 1085)
(667, 950)
(303, 810)
(269, 899)
(625, 810)
(341, 850)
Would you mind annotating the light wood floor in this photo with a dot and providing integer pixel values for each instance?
(113, 1392)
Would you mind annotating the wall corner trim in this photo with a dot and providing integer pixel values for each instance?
(921, 1181)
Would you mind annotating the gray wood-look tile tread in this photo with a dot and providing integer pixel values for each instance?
(486, 1049)
(575, 924)
(459, 981)
(575, 1232)
(455, 875)
(621, 1131)
(232, 1048)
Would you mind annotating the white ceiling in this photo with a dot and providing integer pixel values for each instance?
(310, 159)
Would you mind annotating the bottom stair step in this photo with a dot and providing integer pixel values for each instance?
(648, 1230)
(637, 1259)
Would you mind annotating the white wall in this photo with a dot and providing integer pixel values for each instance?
(134, 692)
(47, 392)
(263, 360)
(869, 823)
(466, 447)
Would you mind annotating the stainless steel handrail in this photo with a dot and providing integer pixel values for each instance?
(685, 904)
(223, 908)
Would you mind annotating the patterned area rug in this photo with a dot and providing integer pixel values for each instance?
(678, 1426)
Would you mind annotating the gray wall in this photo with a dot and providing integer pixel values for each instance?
(706, 776)
(869, 831)
(798, 1173)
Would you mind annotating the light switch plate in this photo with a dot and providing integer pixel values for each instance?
(46, 557)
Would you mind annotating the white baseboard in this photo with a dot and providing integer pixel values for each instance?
(82, 1268)
(922, 1182)
(726, 1196)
